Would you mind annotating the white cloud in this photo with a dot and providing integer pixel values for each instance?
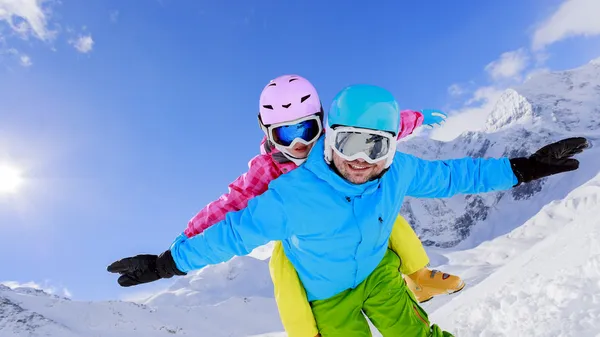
(474, 111)
(456, 89)
(484, 95)
(510, 65)
(26, 17)
(83, 44)
(573, 18)
(62, 291)
(25, 60)
(32, 20)
(535, 72)
(471, 117)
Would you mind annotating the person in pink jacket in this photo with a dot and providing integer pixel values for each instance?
(291, 115)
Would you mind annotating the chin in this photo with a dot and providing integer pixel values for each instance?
(300, 155)
(358, 180)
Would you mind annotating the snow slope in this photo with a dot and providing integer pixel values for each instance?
(548, 107)
(547, 281)
(38, 314)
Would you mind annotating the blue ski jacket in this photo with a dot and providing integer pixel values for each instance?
(334, 232)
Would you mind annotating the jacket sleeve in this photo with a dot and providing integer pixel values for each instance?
(409, 121)
(263, 220)
(445, 178)
(261, 170)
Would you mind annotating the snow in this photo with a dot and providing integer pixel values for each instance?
(546, 280)
(530, 256)
(24, 314)
(548, 107)
(243, 277)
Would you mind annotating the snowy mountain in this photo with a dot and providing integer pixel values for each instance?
(242, 277)
(35, 313)
(530, 256)
(546, 279)
(548, 107)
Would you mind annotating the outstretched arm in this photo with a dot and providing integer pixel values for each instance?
(239, 233)
(410, 120)
(445, 178)
(261, 171)
(263, 220)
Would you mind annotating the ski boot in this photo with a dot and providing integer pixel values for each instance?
(426, 284)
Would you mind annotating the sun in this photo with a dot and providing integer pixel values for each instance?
(10, 179)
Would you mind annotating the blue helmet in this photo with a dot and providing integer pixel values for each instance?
(365, 106)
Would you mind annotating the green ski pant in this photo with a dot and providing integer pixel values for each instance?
(384, 298)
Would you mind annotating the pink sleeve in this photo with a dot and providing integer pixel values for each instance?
(261, 171)
(409, 121)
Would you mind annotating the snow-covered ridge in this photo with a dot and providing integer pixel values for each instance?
(242, 277)
(548, 107)
(32, 314)
(546, 280)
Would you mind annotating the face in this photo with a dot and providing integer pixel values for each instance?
(357, 171)
(300, 150)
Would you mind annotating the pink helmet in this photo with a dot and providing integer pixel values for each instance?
(287, 98)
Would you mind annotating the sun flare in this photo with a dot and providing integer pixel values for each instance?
(10, 179)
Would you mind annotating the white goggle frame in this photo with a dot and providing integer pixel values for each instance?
(331, 135)
(268, 130)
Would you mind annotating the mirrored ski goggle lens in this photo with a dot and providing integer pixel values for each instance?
(307, 130)
(351, 143)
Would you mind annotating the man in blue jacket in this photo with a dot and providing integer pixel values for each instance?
(335, 213)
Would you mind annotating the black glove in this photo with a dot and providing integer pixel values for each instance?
(551, 159)
(144, 268)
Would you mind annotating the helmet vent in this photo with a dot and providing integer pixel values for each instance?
(286, 105)
(268, 107)
(292, 79)
(272, 84)
(304, 98)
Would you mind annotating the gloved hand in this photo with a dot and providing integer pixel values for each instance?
(550, 159)
(144, 268)
(433, 118)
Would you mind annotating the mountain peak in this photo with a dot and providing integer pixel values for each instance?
(511, 108)
(31, 291)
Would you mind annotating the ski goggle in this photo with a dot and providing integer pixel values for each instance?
(304, 130)
(371, 146)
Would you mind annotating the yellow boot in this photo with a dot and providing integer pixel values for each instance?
(426, 284)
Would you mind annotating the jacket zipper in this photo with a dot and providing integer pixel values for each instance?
(351, 200)
(419, 315)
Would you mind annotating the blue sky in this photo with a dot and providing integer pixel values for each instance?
(126, 118)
